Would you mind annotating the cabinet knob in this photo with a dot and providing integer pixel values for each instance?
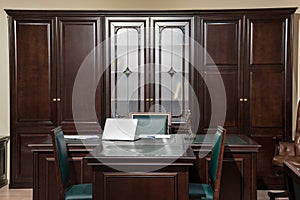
(245, 99)
(54, 99)
(241, 99)
(58, 99)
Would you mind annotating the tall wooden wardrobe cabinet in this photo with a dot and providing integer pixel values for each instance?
(253, 53)
(46, 52)
(252, 49)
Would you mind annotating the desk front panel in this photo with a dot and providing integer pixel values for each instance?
(170, 183)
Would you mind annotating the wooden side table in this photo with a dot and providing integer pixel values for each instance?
(3, 160)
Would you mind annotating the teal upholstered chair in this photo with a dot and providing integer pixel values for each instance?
(152, 122)
(66, 190)
(212, 189)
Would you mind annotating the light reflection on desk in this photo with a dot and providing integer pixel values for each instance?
(175, 146)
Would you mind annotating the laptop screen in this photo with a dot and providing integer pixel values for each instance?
(119, 129)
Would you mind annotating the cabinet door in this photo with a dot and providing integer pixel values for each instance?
(267, 88)
(33, 87)
(220, 59)
(127, 76)
(32, 72)
(172, 66)
(78, 58)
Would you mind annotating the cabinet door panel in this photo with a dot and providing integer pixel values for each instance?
(230, 79)
(267, 46)
(33, 73)
(78, 39)
(172, 65)
(267, 112)
(221, 42)
(128, 75)
(22, 159)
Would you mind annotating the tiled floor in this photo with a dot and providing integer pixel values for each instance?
(26, 194)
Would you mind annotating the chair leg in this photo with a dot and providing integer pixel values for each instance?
(274, 195)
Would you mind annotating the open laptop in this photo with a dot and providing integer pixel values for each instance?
(120, 129)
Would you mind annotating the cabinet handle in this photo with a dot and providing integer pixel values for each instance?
(245, 99)
(54, 99)
(58, 99)
(241, 99)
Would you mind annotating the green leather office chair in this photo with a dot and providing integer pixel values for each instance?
(66, 190)
(152, 122)
(212, 189)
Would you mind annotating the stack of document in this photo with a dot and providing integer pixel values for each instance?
(81, 137)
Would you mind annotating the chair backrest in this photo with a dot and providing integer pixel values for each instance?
(61, 159)
(285, 149)
(152, 122)
(215, 165)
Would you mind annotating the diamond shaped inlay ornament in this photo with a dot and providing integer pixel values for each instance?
(172, 72)
(127, 72)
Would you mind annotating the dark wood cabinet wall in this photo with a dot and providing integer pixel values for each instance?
(252, 49)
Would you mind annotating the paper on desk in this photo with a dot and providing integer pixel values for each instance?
(162, 136)
(81, 137)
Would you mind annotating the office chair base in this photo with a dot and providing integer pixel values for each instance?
(274, 195)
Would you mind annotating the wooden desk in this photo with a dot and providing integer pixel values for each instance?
(292, 171)
(239, 168)
(152, 169)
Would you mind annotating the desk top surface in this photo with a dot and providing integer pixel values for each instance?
(237, 143)
(175, 146)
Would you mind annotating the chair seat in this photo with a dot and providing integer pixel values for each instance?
(200, 191)
(79, 192)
